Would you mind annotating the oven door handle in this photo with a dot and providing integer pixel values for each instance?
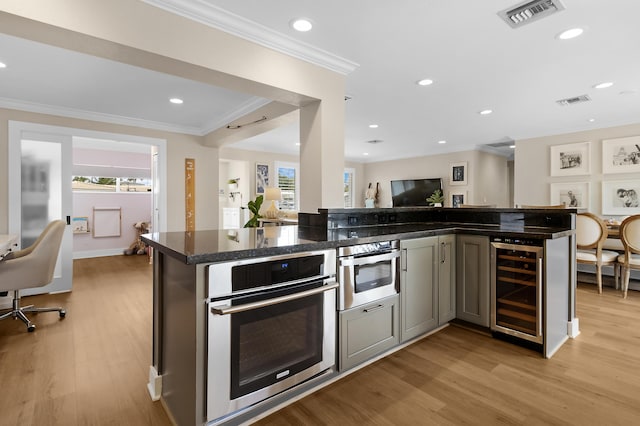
(368, 260)
(226, 309)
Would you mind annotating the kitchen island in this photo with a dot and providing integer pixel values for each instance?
(181, 349)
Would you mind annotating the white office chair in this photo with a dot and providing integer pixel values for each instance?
(591, 233)
(32, 267)
(630, 236)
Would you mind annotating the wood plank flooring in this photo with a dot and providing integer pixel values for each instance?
(91, 368)
(460, 377)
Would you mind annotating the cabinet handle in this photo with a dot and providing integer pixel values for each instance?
(443, 252)
(404, 262)
(375, 308)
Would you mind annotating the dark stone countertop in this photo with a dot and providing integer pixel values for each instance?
(224, 245)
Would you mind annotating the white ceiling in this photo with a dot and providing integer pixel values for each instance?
(475, 59)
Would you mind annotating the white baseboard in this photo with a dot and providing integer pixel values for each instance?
(155, 384)
(7, 301)
(98, 253)
(573, 328)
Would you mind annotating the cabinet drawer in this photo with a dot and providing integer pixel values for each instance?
(368, 330)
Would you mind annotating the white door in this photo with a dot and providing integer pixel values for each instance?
(39, 192)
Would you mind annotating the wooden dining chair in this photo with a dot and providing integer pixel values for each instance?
(630, 237)
(591, 233)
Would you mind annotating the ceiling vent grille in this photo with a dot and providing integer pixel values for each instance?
(530, 11)
(574, 100)
(375, 141)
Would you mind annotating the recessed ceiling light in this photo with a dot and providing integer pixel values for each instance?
(301, 24)
(603, 85)
(512, 146)
(591, 120)
(485, 112)
(442, 142)
(176, 101)
(424, 82)
(3, 65)
(297, 143)
(569, 34)
(366, 153)
(373, 126)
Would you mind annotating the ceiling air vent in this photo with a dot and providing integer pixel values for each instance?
(375, 141)
(574, 100)
(530, 11)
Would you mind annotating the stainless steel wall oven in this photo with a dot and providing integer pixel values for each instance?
(516, 288)
(367, 272)
(272, 325)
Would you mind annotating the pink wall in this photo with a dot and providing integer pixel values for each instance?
(135, 207)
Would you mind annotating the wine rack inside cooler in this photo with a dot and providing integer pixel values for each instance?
(517, 291)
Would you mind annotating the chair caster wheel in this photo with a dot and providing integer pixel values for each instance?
(31, 328)
(63, 313)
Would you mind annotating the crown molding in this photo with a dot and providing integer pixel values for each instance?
(215, 17)
(96, 116)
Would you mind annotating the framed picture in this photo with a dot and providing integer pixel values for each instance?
(80, 225)
(621, 197)
(458, 198)
(570, 160)
(458, 173)
(621, 155)
(571, 194)
(262, 177)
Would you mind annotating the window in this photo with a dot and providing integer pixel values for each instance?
(288, 182)
(110, 184)
(348, 187)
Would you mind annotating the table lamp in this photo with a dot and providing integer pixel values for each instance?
(273, 195)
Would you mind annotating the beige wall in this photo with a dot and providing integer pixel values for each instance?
(533, 168)
(250, 158)
(136, 33)
(487, 176)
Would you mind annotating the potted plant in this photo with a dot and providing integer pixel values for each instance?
(436, 199)
(254, 208)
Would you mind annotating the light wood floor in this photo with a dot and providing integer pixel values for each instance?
(460, 377)
(91, 368)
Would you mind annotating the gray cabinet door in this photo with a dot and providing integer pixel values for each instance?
(418, 287)
(472, 276)
(446, 279)
(368, 330)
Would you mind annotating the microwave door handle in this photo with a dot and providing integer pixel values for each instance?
(368, 260)
(226, 310)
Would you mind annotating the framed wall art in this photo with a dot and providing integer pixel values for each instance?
(621, 197)
(458, 198)
(571, 159)
(621, 155)
(571, 194)
(81, 225)
(458, 174)
(262, 177)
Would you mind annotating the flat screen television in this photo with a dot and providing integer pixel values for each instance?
(413, 192)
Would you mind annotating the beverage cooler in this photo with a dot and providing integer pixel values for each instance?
(516, 288)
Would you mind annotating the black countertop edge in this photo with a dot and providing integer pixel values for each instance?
(196, 256)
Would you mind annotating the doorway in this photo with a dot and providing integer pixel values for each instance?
(27, 142)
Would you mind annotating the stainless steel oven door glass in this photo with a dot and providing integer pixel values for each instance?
(262, 343)
(516, 290)
(367, 276)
